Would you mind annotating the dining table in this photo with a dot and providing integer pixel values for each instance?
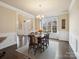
(39, 36)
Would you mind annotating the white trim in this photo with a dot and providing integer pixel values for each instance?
(71, 5)
(19, 11)
(7, 6)
(63, 35)
(74, 43)
(11, 39)
(17, 26)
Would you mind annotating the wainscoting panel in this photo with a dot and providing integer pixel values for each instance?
(74, 43)
(10, 40)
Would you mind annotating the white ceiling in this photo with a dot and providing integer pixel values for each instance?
(41, 7)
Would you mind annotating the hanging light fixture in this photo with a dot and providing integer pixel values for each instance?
(40, 16)
(40, 5)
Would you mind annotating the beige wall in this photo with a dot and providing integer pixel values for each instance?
(37, 24)
(66, 17)
(63, 34)
(24, 25)
(7, 20)
(20, 21)
(74, 18)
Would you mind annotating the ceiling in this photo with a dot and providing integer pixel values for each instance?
(41, 7)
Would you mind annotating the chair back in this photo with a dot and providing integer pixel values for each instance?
(32, 39)
(46, 36)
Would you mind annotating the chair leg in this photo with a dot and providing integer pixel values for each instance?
(42, 48)
(35, 49)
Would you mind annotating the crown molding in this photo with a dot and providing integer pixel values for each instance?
(19, 11)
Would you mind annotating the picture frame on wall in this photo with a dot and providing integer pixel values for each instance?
(63, 24)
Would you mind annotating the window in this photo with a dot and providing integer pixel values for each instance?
(49, 24)
(54, 26)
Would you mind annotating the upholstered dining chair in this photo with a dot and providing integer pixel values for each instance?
(46, 40)
(41, 43)
(33, 44)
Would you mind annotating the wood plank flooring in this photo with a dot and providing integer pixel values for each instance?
(56, 50)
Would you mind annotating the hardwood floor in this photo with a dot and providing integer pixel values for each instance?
(10, 52)
(56, 50)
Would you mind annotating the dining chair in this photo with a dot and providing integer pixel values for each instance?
(33, 44)
(40, 43)
(46, 40)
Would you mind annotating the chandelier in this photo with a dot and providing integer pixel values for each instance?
(40, 16)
